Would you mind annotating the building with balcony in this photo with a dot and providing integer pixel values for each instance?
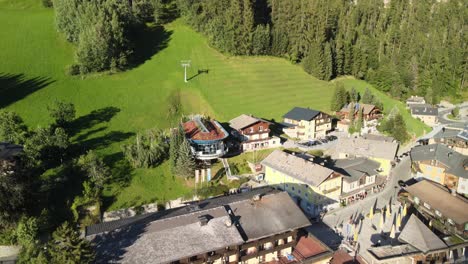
(415, 100)
(455, 136)
(314, 186)
(306, 124)
(206, 138)
(426, 113)
(360, 178)
(446, 210)
(253, 133)
(260, 226)
(441, 164)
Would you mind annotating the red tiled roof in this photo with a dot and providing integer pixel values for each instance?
(342, 257)
(308, 247)
(192, 131)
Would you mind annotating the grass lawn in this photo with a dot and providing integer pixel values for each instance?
(113, 107)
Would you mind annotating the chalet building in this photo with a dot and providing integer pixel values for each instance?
(253, 133)
(441, 164)
(453, 136)
(206, 138)
(312, 185)
(360, 178)
(369, 111)
(415, 100)
(425, 113)
(9, 156)
(306, 124)
(446, 210)
(382, 151)
(260, 226)
(418, 244)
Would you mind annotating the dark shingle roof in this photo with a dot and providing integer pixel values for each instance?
(299, 113)
(356, 168)
(453, 160)
(8, 151)
(424, 110)
(418, 235)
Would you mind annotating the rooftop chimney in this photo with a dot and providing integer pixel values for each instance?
(204, 219)
(256, 197)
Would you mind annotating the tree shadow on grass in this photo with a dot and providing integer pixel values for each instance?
(149, 41)
(14, 87)
(94, 118)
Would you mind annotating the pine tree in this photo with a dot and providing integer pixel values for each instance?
(177, 137)
(399, 131)
(328, 63)
(354, 95)
(185, 164)
(66, 246)
(248, 27)
(367, 98)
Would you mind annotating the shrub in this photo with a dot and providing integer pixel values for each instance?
(47, 3)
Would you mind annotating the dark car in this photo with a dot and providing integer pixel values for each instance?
(331, 138)
(401, 183)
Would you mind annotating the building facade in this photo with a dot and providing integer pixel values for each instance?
(306, 124)
(381, 151)
(444, 208)
(426, 113)
(253, 133)
(239, 228)
(415, 100)
(441, 164)
(206, 138)
(312, 185)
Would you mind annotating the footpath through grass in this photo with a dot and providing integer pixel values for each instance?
(113, 107)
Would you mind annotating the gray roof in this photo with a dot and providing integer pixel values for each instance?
(8, 151)
(447, 133)
(273, 214)
(361, 147)
(424, 110)
(415, 99)
(356, 168)
(366, 108)
(418, 235)
(440, 198)
(298, 168)
(243, 121)
(176, 233)
(167, 240)
(391, 251)
(453, 160)
(299, 113)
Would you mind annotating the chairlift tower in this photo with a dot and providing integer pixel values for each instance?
(185, 64)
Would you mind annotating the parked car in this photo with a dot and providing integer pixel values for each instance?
(331, 138)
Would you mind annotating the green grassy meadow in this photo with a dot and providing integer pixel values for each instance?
(33, 61)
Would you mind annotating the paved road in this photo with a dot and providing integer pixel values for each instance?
(445, 111)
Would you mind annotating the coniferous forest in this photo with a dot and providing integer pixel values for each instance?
(402, 47)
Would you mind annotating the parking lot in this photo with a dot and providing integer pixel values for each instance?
(324, 143)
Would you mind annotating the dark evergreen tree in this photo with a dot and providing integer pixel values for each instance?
(66, 246)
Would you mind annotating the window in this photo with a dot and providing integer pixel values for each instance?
(299, 191)
(260, 128)
(439, 214)
(450, 221)
(292, 188)
(287, 185)
(427, 206)
(251, 130)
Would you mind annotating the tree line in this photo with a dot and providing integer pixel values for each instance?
(104, 31)
(402, 47)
